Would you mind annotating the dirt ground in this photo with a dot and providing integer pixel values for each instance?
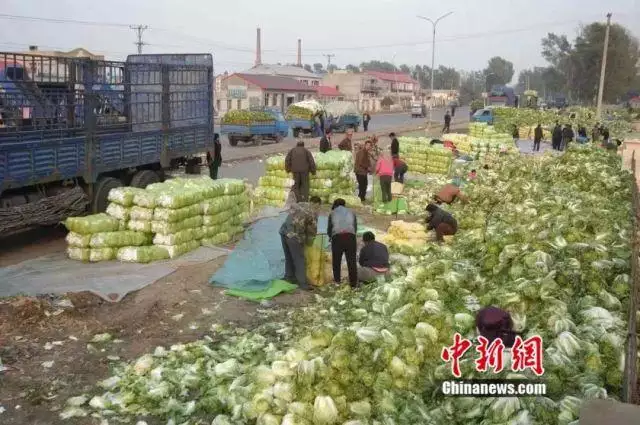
(47, 350)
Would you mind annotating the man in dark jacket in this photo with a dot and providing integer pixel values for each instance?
(215, 161)
(447, 122)
(556, 137)
(325, 142)
(362, 168)
(299, 229)
(345, 144)
(341, 228)
(567, 136)
(537, 138)
(374, 259)
(300, 163)
(365, 121)
(441, 221)
(395, 144)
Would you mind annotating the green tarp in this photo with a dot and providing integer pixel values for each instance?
(274, 288)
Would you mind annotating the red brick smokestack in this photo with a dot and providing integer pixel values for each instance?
(300, 53)
(258, 48)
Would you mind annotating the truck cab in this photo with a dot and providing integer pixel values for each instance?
(418, 110)
(483, 115)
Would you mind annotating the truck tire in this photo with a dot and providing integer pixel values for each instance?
(296, 132)
(101, 192)
(233, 141)
(278, 138)
(144, 178)
(356, 128)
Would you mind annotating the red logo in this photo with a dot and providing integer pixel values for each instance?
(525, 354)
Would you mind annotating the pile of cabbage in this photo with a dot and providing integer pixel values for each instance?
(165, 220)
(406, 238)
(334, 176)
(546, 238)
(423, 158)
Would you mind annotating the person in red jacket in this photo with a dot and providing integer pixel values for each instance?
(400, 168)
(384, 171)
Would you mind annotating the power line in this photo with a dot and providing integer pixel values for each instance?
(60, 21)
(139, 29)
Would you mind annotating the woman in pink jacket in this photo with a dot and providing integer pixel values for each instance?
(384, 171)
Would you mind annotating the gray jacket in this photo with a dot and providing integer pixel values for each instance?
(341, 220)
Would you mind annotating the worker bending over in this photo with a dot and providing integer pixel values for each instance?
(441, 221)
(299, 229)
(449, 193)
(374, 259)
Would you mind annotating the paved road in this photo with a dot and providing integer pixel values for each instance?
(380, 123)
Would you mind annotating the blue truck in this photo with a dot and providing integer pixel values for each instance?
(502, 96)
(345, 122)
(276, 130)
(79, 126)
(300, 126)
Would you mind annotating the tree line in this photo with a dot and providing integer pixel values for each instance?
(573, 68)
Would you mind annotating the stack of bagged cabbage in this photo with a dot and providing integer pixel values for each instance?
(406, 238)
(423, 158)
(534, 240)
(333, 177)
(165, 220)
(98, 237)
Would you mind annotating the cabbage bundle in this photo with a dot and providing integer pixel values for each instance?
(92, 224)
(317, 261)
(119, 239)
(142, 254)
(224, 215)
(91, 254)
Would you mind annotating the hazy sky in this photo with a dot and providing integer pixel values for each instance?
(354, 31)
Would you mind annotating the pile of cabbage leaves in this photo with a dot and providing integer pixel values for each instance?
(546, 238)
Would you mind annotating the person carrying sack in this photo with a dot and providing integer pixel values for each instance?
(341, 228)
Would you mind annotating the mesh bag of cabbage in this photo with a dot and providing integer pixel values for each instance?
(123, 195)
(119, 239)
(77, 240)
(91, 254)
(316, 260)
(92, 224)
(118, 211)
(180, 249)
(142, 254)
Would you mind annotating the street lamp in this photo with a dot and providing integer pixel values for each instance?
(433, 52)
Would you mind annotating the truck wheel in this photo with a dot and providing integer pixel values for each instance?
(278, 138)
(296, 132)
(101, 192)
(144, 178)
(233, 141)
(356, 128)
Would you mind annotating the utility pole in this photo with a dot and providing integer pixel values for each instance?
(329, 56)
(604, 67)
(139, 29)
(433, 53)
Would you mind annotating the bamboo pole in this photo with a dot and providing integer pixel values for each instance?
(630, 380)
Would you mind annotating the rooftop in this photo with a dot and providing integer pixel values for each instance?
(281, 70)
(327, 91)
(271, 82)
(399, 77)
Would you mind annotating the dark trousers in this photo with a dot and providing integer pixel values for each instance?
(385, 188)
(536, 145)
(344, 243)
(214, 166)
(445, 229)
(294, 264)
(301, 186)
(445, 129)
(365, 125)
(399, 172)
(363, 181)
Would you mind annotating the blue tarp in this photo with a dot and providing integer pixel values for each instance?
(258, 258)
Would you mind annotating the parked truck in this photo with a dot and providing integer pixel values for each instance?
(501, 96)
(72, 129)
(275, 129)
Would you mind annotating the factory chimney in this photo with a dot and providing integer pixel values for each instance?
(258, 48)
(300, 53)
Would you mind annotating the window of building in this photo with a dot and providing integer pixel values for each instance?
(239, 103)
(218, 105)
(275, 100)
(266, 99)
(229, 105)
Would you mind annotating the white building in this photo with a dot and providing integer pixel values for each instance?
(295, 72)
